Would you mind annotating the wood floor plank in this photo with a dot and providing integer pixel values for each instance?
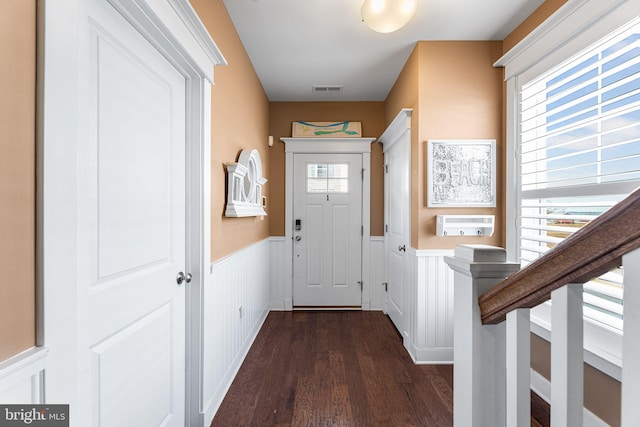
(540, 411)
(335, 369)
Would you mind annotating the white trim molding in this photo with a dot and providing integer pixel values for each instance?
(277, 256)
(375, 291)
(327, 145)
(400, 124)
(22, 377)
(177, 31)
(573, 27)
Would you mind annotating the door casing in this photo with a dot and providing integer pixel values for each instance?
(327, 146)
(397, 136)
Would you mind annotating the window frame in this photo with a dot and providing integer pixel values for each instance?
(574, 27)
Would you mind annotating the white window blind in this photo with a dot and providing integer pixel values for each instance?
(580, 153)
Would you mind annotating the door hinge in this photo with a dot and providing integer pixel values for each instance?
(386, 285)
(361, 283)
(362, 230)
(386, 168)
(386, 228)
(363, 174)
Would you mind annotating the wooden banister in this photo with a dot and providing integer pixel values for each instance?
(593, 250)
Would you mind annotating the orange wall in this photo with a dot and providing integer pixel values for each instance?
(372, 116)
(459, 96)
(17, 176)
(239, 120)
(536, 18)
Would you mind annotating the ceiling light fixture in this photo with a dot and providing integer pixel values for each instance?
(386, 16)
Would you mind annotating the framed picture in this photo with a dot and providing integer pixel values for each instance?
(461, 173)
(327, 129)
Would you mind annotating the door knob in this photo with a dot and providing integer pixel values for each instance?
(402, 248)
(182, 278)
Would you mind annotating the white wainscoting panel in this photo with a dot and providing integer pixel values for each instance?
(376, 295)
(278, 271)
(236, 303)
(22, 377)
(430, 308)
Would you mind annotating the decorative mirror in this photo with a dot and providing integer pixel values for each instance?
(244, 186)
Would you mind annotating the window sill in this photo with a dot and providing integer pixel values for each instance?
(602, 345)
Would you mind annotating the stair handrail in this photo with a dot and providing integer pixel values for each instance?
(590, 252)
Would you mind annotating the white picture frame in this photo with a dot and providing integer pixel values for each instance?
(461, 173)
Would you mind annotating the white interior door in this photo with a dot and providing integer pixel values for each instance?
(327, 237)
(131, 213)
(397, 228)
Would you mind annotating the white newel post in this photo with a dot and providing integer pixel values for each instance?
(479, 374)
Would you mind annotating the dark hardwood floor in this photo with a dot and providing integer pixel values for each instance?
(333, 368)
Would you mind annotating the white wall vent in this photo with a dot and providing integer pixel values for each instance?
(327, 88)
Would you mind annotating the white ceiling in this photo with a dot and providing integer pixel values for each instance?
(296, 44)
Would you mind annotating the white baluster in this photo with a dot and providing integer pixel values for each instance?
(478, 350)
(631, 340)
(567, 355)
(518, 368)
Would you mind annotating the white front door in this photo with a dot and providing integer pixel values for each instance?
(327, 236)
(131, 214)
(396, 210)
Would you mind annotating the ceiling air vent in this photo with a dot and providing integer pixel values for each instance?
(327, 89)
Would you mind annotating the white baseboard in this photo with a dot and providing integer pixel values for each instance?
(542, 387)
(431, 356)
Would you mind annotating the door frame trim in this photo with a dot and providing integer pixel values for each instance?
(397, 129)
(327, 146)
(174, 28)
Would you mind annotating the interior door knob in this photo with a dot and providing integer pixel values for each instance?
(181, 278)
(402, 248)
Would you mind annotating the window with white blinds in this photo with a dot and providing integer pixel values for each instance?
(580, 153)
